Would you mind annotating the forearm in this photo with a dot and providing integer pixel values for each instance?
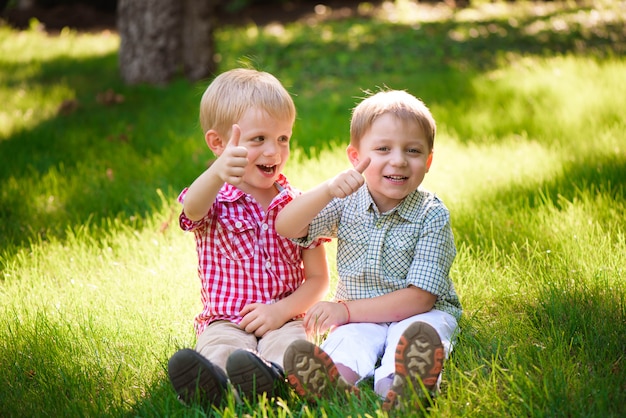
(392, 307)
(201, 194)
(294, 219)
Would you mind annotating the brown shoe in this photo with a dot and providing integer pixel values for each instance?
(311, 372)
(419, 361)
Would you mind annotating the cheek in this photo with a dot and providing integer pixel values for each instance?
(419, 165)
(377, 163)
(374, 168)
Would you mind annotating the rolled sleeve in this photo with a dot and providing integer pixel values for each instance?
(184, 222)
(434, 255)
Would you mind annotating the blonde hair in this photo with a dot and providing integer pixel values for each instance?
(233, 92)
(401, 104)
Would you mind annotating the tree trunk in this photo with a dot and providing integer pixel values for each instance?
(198, 38)
(160, 38)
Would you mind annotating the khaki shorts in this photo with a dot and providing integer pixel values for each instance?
(221, 338)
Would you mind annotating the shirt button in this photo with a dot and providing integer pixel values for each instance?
(265, 227)
(370, 261)
(238, 224)
(268, 264)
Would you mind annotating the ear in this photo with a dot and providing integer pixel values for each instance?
(429, 161)
(353, 154)
(214, 142)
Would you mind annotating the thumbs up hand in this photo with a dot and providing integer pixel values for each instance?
(349, 181)
(233, 160)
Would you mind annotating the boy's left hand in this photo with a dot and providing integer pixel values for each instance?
(259, 318)
(323, 316)
(349, 181)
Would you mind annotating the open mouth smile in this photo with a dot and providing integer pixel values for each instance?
(396, 179)
(267, 169)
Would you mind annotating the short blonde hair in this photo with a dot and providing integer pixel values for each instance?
(235, 91)
(401, 104)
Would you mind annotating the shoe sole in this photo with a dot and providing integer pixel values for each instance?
(195, 378)
(418, 361)
(251, 375)
(312, 373)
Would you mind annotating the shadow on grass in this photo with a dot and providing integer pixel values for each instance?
(562, 356)
(100, 161)
(56, 367)
(580, 325)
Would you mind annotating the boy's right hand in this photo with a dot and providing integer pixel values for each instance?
(349, 181)
(233, 160)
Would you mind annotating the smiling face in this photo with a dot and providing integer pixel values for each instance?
(400, 158)
(267, 141)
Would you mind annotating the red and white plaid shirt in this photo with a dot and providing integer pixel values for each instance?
(241, 258)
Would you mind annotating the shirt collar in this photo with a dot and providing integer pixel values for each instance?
(230, 193)
(407, 209)
(365, 201)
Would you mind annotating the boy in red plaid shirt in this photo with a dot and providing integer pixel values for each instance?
(256, 285)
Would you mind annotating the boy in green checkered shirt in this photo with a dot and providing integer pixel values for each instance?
(395, 302)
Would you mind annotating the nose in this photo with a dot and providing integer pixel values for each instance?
(270, 148)
(398, 159)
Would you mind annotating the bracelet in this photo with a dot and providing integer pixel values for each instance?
(347, 309)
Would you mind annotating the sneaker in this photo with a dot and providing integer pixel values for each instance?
(419, 361)
(311, 372)
(196, 379)
(251, 375)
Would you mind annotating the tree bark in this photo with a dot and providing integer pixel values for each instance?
(159, 39)
(198, 38)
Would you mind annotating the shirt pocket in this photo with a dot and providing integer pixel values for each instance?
(288, 251)
(398, 253)
(352, 244)
(236, 238)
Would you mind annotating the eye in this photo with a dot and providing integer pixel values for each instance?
(283, 139)
(382, 149)
(414, 151)
(258, 139)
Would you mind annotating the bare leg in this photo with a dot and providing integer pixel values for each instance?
(383, 385)
(348, 374)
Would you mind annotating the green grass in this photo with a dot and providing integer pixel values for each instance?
(98, 285)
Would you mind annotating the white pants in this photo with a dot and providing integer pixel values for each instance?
(360, 345)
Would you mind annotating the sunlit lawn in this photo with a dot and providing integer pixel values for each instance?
(98, 285)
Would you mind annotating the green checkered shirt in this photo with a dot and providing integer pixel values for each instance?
(411, 244)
